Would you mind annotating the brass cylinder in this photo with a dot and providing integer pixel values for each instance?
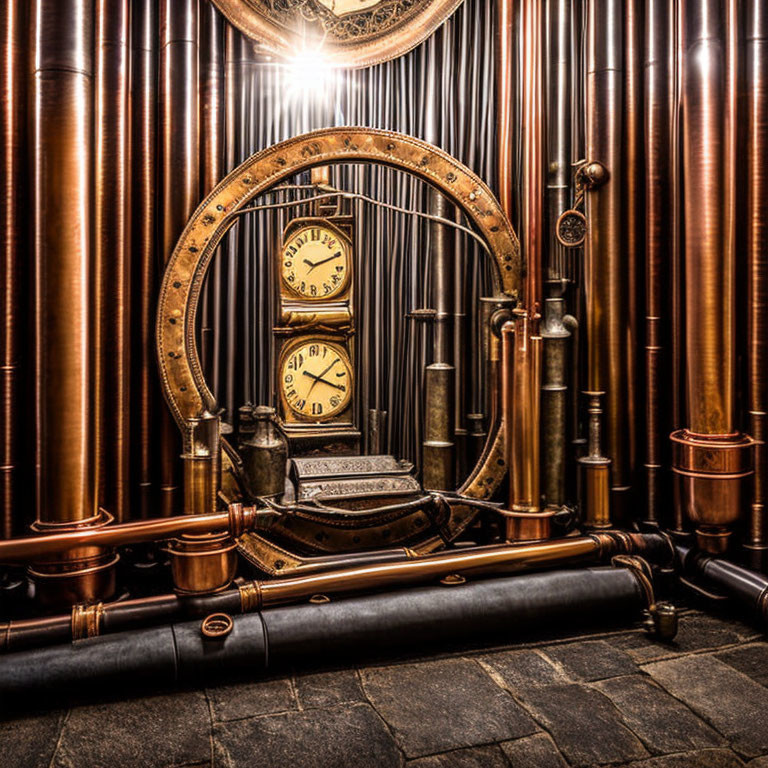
(144, 220)
(111, 264)
(505, 91)
(62, 104)
(13, 21)
(757, 266)
(437, 453)
(711, 460)
(606, 269)
(595, 471)
(202, 565)
(180, 178)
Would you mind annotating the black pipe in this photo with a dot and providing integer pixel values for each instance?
(502, 610)
(747, 587)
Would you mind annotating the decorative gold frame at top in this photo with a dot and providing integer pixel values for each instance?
(182, 378)
(352, 40)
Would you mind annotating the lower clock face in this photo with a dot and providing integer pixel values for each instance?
(316, 380)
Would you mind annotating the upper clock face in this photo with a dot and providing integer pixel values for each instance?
(316, 380)
(315, 262)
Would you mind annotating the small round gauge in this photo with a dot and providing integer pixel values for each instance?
(316, 379)
(315, 262)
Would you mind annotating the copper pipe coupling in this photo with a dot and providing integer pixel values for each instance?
(202, 565)
(712, 473)
(83, 574)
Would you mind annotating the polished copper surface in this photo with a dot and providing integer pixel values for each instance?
(505, 94)
(202, 565)
(756, 54)
(179, 171)
(13, 20)
(111, 255)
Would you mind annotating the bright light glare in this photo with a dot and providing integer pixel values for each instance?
(310, 73)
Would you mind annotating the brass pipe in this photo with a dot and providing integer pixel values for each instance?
(595, 471)
(180, 185)
(111, 249)
(712, 461)
(505, 91)
(657, 139)
(756, 54)
(606, 270)
(13, 20)
(62, 104)
(144, 221)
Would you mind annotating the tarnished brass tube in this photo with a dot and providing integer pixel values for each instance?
(179, 189)
(111, 248)
(62, 109)
(608, 329)
(711, 460)
(13, 21)
(505, 92)
(143, 183)
(757, 267)
(657, 138)
(438, 456)
(595, 471)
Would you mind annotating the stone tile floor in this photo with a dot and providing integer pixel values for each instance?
(603, 699)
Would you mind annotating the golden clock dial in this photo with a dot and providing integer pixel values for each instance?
(315, 262)
(316, 380)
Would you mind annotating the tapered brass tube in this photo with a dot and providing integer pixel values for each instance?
(609, 331)
(757, 265)
(62, 104)
(144, 181)
(658, 232)
(111, 248)
(505, 91)
(180, 190)
(712, 460)
(13, 20)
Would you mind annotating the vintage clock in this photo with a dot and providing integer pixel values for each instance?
(315, 374)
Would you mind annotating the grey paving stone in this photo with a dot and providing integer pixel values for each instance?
(643, 648)
(585, 725)
(523, 669)
(537, 751)
(732, 702)
(707, 758)
(324, 689)
(477, 757)
(758, 762)
(233, 702)
(436, 706)
(700, 631)
(29, 742)
(751, 659)
(339, 737)
(661, 721)
(591, 660)
(153, 731)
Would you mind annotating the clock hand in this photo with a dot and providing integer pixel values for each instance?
(314, 264)
(324, 381)
(320, 377)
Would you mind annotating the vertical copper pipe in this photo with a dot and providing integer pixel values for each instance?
(609, 332)
(712, 460)
(757, 260)
(62, 156)
(144, 182)
(111, 248)
(505, 91)
(211, 137)
(180, 180)
(658, 39)
(13, 20)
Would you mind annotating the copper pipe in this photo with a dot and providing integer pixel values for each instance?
(609, 332)
(111, 248)
(180, 185)
(712, 461)
(756, 54)
(144, 182)
(211, 141)
(533, 144)
(13, 22)
(505, 91)
(657, 138)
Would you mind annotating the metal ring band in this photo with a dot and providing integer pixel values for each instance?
(250, 597)
(86, 620)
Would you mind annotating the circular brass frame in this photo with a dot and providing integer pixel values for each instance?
(414, 23)
(181, 374)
